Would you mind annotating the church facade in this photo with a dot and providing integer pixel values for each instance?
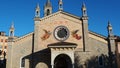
(61, 40)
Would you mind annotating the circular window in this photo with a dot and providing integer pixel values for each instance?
(61, 33)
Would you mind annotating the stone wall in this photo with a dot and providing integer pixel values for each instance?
(20, 48)
(90, 59)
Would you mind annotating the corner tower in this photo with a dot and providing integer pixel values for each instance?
(111, 45)
(10, 46)
(47, 8)
(111, 39)
(36, 26)
(85, 27)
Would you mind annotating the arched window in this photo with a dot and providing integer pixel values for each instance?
(22, 63)
(37, 13)
(100, 61)
(48, 12)
(11, 33)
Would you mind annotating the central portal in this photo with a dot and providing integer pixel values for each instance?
(62, 54)
(62, 61)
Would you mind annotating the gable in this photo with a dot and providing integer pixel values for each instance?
(49, 23)
(60, 12)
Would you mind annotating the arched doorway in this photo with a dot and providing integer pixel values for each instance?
(62, 61)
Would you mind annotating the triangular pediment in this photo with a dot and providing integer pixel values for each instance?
(46, 29)
(58, 13)
(48, 24)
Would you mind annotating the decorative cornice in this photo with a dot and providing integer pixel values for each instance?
(84, 17)
(62, 45)
(37, 19)
(98, 35)
(62, 12)
(27, 35)
(69, 14)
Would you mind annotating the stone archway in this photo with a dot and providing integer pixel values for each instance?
(62, 54)
(62, 61)
(41, 65)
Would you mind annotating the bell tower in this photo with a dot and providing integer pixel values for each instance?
(47, 8)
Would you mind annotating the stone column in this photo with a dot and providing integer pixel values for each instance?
(27, 63)
(72, 57)
(52, 62)
(73, 65)
(52, 66)
(9, 57)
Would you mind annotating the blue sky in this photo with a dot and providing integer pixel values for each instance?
(22, 12)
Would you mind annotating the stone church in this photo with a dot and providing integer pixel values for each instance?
(61, 40)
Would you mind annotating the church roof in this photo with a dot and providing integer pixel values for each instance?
(23, 37)
(96, 34)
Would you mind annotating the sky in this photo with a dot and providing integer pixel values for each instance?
(22, 13)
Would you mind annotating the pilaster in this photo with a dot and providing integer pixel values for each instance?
(36, 33)
(85, 33)
(9, 54)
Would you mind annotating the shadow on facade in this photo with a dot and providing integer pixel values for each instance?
(77, 63)
(97, 62)
(43, 56)
(118, 60)
(102, 61)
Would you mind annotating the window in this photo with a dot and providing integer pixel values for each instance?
(22, 63)
(101, 61)
(48, 12)
(11, 33)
